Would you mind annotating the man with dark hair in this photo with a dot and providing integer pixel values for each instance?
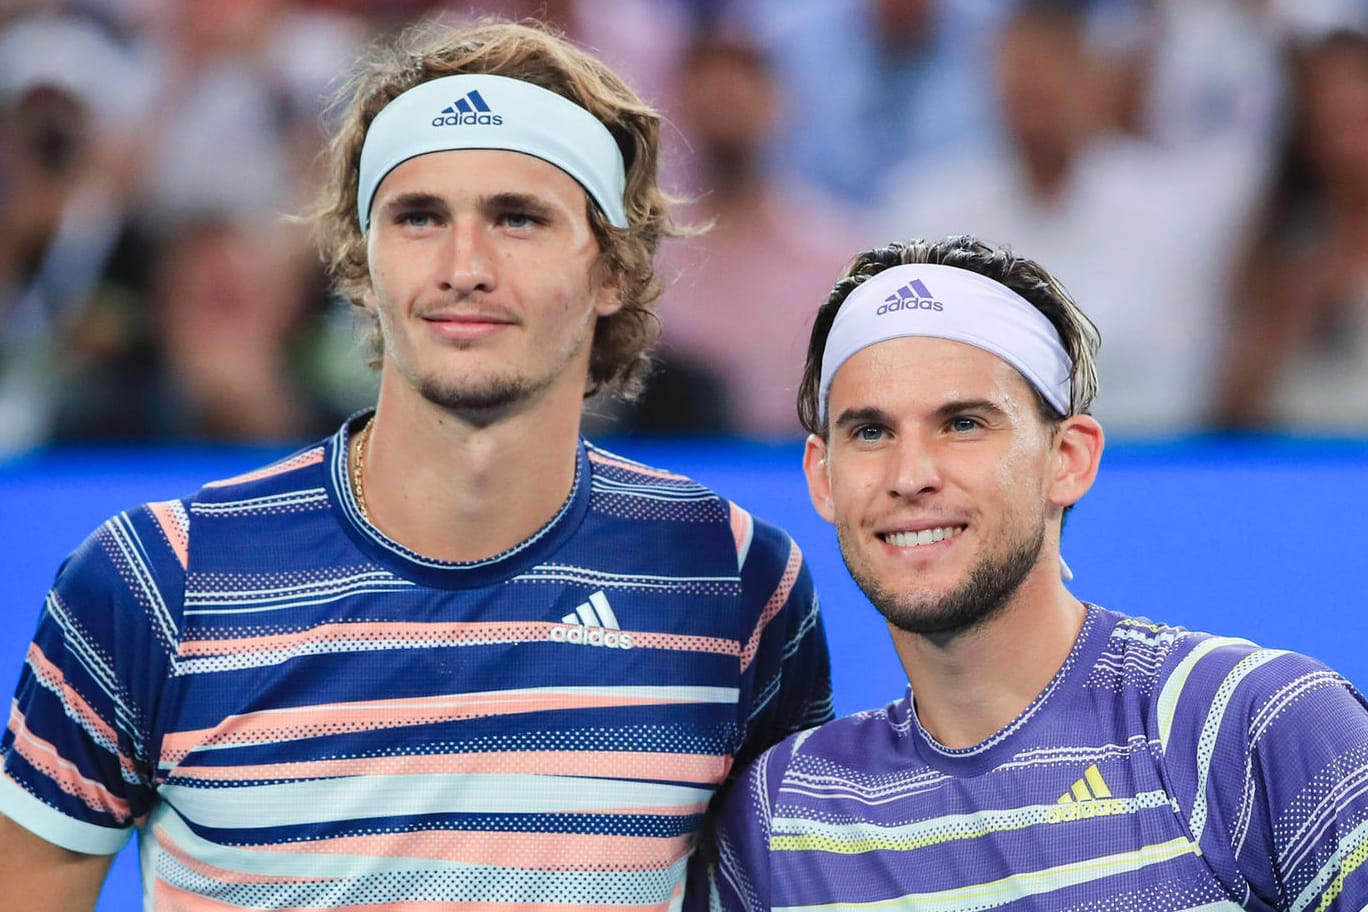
(1049, 754)
(453, 656)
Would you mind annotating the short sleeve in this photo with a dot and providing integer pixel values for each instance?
(79, 752)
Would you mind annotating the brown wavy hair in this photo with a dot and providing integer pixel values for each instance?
(1026, 277)
(531, 52)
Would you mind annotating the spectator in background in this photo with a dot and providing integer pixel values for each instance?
(241, 86)
(867, 85)
(71, 245)
(736, 309)
(121, 129)
(221, 357)
(1122, 223)
(1299, 346)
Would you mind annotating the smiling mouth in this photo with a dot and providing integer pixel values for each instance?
(924, 537)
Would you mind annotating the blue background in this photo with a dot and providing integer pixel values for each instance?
(1261, 538)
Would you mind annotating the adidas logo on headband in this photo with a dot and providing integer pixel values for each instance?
(912, 296)
(471, 109)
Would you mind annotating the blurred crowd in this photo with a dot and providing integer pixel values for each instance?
(1194, 171)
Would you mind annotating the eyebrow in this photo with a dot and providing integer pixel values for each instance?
(497, 202)
(867, 415)
(414, 200)
(959, 407)
(523, 202)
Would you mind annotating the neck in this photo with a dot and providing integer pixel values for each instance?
(461, 490)
(968, 686)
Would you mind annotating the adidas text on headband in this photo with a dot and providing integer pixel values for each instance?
(483, 111)
(946, 302)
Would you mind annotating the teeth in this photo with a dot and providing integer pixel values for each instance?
(924, 537)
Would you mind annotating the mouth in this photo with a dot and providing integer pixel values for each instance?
(921, 537)
(465, 327)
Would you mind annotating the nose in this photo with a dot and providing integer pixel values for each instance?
(468, 265)
(914, 470)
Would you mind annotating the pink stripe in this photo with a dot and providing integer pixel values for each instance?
(530, 851)
(44, 757)
(339, 718)
(171, 527)
(173, 899)
(701, 769)
(741, 525)
(680, 643)
(632, 467)
(775, 603)
(52, 676)
(431, 635)
(308, 458)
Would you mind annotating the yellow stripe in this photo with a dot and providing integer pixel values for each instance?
(1033, 883)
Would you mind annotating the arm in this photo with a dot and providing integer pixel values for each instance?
(735, 876)
(41, 877)
(1278, 795)
(77, 751)
(786, 668)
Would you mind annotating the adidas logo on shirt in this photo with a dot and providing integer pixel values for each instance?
(471, 109)
(592, 623)
(912, 296)
(1089, 797)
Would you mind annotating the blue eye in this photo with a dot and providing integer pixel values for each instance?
(869, 433)
(416, 219)
(964, 424)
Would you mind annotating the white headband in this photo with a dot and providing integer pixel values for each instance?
(482, 111)
(946, 302)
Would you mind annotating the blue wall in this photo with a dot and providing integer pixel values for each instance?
(1258, 538)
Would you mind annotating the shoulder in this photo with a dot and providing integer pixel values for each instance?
(845, 745)
(628, 489)
(161, 532)
(615, 475)
(301, 471)
(1203, 685)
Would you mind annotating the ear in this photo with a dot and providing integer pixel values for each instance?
(606, 285)
(818, 477)
(1077, 449)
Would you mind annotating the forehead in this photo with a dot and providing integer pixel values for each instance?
(481, 172)
(915, 373)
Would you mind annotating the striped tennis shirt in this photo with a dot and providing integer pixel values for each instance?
(1159, 770)
(296, 712)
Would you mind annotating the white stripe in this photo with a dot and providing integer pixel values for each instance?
(304, 603)
(1352, 842)
(303, 497)
(326, 880)
(1167, 703)
(363, 797)
(1211, 725)
(322, 586)
(125, 540)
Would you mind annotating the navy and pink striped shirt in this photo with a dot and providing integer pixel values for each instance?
(299, 713)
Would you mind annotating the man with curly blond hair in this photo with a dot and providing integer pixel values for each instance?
(454, 656)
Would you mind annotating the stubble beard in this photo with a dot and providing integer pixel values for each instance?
(486, 400)
(984, 594)
(491, 399)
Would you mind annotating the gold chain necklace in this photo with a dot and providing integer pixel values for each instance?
(358, 466)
